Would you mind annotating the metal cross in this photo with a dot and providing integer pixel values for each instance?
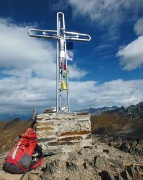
(60, 35)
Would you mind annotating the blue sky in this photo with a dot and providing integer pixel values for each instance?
(106, 71)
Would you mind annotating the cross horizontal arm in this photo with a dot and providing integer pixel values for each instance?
(51, 34)
(74, 36)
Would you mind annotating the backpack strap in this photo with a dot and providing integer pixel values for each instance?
(39, 150)
(33, 166)
(15, 151)
(37, 163)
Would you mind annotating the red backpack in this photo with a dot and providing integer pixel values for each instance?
(20, 159)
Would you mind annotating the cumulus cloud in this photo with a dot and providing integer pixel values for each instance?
(132, 54)
(109, 15)
(113, 10)
(22, 55)
(27, 70)
(75, 72)
(27, 77)
(116, 92)
(22, 95)
(138, 28)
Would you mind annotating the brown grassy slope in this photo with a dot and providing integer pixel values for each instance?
(10, 130)
(107, 124)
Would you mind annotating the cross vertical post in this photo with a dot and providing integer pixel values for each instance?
(60, 35)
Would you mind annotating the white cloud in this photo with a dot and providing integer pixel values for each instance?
(27, 70)
(132, 54)
(75, 72)
(22, 95)
(138, 28)
(106, 11)
(22, 55)
(102, 47)
(116, 92)
(109, 15)
(29, 79)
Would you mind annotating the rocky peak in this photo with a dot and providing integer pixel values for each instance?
(132, 112)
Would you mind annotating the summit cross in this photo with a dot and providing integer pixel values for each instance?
(60, 35)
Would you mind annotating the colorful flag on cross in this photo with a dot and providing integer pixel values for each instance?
(69, 45)
(69, 55)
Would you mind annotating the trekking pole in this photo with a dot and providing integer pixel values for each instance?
(28, 169)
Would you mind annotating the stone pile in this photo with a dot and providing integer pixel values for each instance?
(63, 132)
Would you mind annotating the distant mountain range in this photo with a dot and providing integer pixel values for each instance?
(98, 111)
(121, 121)
(132, 111)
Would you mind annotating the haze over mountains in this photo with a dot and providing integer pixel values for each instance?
(93, 111)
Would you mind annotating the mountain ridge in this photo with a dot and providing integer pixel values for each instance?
(98, 111)
(121, 121)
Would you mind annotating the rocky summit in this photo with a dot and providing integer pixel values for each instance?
(116, 152)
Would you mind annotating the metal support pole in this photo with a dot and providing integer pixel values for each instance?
(57, 68)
